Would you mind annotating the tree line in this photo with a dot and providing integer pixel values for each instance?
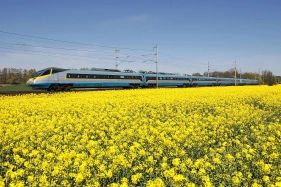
(20, 76)
(266, 76)
(15, 76)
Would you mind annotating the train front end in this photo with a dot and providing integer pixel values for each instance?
(40, 80)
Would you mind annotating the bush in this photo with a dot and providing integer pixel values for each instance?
(271, 81)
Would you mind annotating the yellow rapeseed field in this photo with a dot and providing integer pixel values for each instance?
(217, 136)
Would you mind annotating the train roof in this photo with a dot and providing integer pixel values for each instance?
(102, 72)
(165, 74)
(54, 68)
(159, 73)
(101, 69)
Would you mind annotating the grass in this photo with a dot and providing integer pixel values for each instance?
(14, 87)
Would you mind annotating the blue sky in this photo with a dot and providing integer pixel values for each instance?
(189, 34)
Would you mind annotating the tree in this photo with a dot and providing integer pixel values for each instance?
(4, 76)
(248, 75)
(196, 74)
(128, 70)
(278, 79)
(31, 72)
(1, 76)
(268, 78)
(25, 75)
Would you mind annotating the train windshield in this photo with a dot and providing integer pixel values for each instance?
(41, 73)
(38, 73)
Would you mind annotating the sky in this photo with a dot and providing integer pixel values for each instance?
(189, 35)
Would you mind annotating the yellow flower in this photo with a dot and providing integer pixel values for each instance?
(79, 178)
(278, 184)
(178, 178)
(265, 178)
(235, 180)
(130, 137)
(216, 160)
(176, 162)
(136, 178)
(158, 182)
(30, 178)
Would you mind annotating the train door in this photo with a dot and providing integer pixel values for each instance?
(143, 79)
(55, 76)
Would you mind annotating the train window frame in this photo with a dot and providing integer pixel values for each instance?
(101, 76)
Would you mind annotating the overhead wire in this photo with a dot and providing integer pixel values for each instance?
(167, 63)
(181, 59)
(48, 47)
(61, 54)
(70, 42)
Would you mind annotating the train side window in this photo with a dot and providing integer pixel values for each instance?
(122, 77)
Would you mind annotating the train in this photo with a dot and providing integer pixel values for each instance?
(59, 79)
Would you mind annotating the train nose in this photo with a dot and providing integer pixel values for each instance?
(30, 82)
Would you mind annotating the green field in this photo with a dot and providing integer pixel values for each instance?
(14, 87)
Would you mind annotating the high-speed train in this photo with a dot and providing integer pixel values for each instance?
(58, 79)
